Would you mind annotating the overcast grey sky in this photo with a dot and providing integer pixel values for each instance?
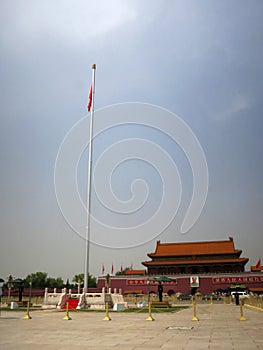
(201, 60)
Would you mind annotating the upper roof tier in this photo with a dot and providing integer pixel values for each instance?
(195, 248)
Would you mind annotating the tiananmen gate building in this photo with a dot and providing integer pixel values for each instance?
(195, 258)
(215, 264)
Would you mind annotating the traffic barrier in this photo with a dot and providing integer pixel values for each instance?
(67, 317)
(27, 316)
(107, 317)
(195, 318)
(150, 318)
(242, 318)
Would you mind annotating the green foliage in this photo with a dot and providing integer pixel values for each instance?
(92, 282)
(68, 285)
(55, 282)
(78, 278)
(123, 272)
(40, 280)
(37, 279)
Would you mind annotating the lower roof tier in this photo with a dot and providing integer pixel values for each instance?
(195, 262)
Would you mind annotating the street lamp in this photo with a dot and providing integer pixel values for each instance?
(9, 286)
(30, 290)
(1, 293)
(148, 289)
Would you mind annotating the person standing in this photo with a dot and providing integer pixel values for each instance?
(237, 298)
(160, 291)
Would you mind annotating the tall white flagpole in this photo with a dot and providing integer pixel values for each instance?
(87, 246)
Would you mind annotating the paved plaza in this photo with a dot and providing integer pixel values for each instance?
(219, 327)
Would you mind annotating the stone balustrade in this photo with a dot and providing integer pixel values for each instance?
(86, 300)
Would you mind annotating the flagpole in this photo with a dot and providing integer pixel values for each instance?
(87, 245)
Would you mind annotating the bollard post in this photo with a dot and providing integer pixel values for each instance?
(242, 318)
(67, 317)
(107, 317)
(211, 299)
(27, 316)
(150, 318)
(195, 318)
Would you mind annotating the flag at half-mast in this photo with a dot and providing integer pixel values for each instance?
(90, 99)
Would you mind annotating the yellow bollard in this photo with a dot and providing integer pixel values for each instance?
(242, 318)
(107, 317)
(27, 316)
(150, 318)
(195, 318)
(67, 317)
(211, 299)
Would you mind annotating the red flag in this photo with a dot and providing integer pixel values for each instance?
(258, 264)
(121, 269)
(90, 99)
(102, 269)
(131, 267)
(112, 269)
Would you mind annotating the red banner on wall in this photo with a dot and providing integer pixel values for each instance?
(240, 279)
(143, 282)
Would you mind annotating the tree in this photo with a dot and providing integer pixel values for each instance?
(79, 280)
(9, 285)
(55, 282)
(68, 285)
(38, 280)
(92, 281)
(123, 272)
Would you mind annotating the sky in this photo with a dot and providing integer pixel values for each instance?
(177, 148)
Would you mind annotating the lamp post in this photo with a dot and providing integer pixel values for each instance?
(148, 289)
(30, 290)
(79, 283)
(1, 293)
(9, 286)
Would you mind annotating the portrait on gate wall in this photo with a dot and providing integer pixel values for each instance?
(194, 281)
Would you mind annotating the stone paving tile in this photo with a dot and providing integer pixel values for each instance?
(219, 328)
